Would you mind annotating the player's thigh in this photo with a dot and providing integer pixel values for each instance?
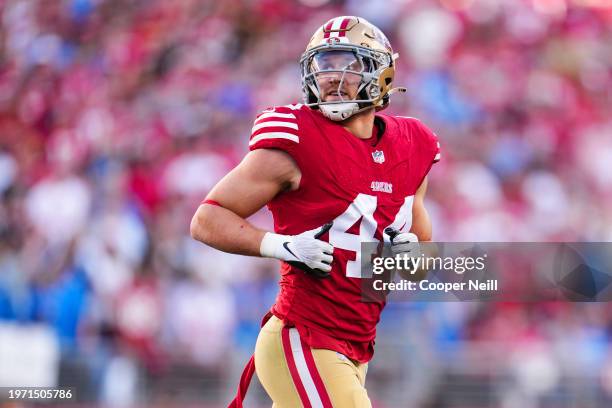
(294, 375)
(344, 381)
(272, 368)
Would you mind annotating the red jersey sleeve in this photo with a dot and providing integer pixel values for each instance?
(427, 140)
(276, 128)
(424, 146)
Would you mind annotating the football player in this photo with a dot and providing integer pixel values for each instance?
(334, 173)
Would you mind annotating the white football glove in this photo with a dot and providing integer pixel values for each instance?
(304, 251)
(406, 244)
(403, 242)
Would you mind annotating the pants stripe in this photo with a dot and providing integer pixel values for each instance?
(303, 370)
(293, 368)
(312, 368)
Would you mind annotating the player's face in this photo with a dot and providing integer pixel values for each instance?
(342, 80)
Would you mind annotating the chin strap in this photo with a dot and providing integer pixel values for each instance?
(344, 110)
(339, 111)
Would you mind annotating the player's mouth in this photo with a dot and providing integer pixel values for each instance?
(337, 95)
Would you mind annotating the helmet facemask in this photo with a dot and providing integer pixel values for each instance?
(347, 73)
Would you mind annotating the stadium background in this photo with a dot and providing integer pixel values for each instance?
(116, 118)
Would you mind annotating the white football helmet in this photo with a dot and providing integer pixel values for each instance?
(353, 53)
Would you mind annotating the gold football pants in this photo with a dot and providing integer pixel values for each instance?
(294, 375)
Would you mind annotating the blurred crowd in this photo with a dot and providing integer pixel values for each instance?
(118, 116)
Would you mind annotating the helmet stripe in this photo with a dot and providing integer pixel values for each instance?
(335, 27)
(343, 26)
(327, 29)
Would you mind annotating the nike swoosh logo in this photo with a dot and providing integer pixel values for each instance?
(286, 246)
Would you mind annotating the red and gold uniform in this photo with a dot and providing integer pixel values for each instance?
(363, 186)
(319, 336)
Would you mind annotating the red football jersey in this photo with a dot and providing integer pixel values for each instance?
(363, 186)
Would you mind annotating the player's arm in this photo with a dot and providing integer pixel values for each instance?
(262, 175)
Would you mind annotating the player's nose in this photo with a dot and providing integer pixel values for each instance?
(335, 77)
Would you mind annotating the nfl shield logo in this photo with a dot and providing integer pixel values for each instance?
(378, 156)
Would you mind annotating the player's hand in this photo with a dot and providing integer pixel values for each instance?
(305, 251)
(403, 242)
(406, 244)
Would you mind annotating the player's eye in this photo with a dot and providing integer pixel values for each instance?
(355, 66)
